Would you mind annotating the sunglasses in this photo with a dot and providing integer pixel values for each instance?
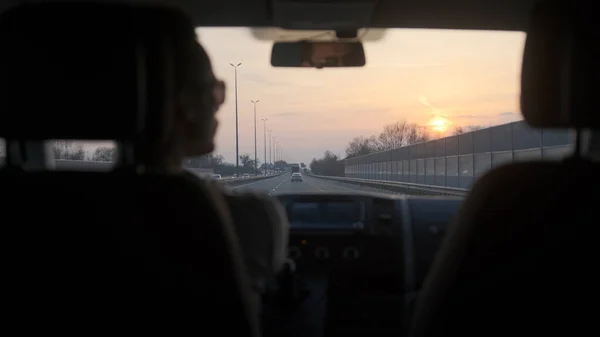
(218, 91)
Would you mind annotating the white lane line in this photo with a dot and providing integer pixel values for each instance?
(256, 182)
(276, 187)
(313, 186)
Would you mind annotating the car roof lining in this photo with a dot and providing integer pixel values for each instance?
(511, 15)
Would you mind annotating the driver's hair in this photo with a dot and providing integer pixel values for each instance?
(184, 64)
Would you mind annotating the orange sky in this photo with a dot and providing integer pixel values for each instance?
(462, 77)
(434, 78)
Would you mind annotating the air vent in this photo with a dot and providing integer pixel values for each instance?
(383, 216)
(351, 253)
(383, 209)
(294, 253)
(322, 253)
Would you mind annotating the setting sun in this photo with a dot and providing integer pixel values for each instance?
(439, 124)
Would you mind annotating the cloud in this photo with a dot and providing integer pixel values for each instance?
(286, 114)
(423, 100)
(406, 65)
(365, 111)
(470, 116)
(296, 103)
(260, 79)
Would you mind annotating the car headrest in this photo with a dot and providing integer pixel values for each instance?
(83, 70)
(560, 62)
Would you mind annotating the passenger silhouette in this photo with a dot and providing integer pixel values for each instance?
(187, 129)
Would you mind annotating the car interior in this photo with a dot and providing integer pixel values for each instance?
(508, 258)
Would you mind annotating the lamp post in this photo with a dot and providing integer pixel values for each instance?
(237, 144)
(254, 103)
(265, 141)
(270, 151)
(281, 153)
(278, 151)
(274, 151)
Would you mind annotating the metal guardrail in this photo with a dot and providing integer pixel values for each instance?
(86, 165)
(401, 187)
(240, 181)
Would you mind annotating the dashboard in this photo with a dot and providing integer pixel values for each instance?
(371, 252)
(337, 231)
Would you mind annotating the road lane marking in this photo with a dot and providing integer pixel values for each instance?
(313, 186)
(256, 182)
(276, 187)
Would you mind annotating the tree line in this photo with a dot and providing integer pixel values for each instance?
(393, 136)
(217, 163)
(70, 150)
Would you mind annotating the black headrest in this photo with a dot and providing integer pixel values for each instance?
(560, 66)
(82, 70)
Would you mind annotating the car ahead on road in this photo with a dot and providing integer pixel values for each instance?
(216, 176)
(296, 177)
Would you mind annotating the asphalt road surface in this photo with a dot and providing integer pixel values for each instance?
(283, 184)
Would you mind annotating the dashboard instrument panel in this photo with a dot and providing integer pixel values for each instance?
(373, 251)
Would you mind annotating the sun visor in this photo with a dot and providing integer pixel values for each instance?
(559, 62)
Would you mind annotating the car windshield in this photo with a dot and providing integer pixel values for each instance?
(431, 107)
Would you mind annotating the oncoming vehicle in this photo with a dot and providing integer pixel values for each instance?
(296, 177)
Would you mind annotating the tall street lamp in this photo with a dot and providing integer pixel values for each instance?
(270, 152)
(281, 153)
(274, 151)
(254, 103)
(237, 144)
(265, 141)
(278, 151)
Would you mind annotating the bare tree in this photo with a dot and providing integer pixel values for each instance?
(328, 165)
(215, 160)
(105, 154)
(401, 134)
(360, 146)
(459, 130)
(416, 134)
(248, 163)
(245, 160)
(67, 149)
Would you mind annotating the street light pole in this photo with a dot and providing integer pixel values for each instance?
(270, 152)
(237, 144)
(278, 151)
(265, 141)
(254, 103)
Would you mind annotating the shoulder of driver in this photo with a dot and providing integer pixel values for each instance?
(262, 228)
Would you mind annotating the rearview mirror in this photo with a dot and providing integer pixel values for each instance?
(318, 54)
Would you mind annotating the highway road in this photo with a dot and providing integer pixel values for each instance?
(283, 184)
